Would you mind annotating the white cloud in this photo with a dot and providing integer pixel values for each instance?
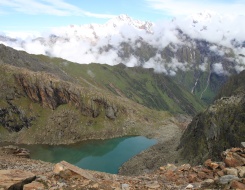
(217, 50)
(203, 66)
(175, 65)
(132, 62)
(239, 68)
(218, 69)
(35, 48)
(49, 7)
(187, 7)
(22, 34)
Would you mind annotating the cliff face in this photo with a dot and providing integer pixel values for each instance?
(42, 108)
(219, 127)
(51, 92)
(42, 90)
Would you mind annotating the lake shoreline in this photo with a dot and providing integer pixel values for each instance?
(167, 136)
(99, 155)
(162, 153)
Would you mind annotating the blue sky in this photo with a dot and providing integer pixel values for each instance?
(40, 15)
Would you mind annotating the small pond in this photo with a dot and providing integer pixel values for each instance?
(100, 155)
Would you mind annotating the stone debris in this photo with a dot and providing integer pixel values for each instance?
(243, 144)
(14, 179)
(210, 164)
(64, 166)
(237, 185)
(210, 175)
(190, 186)
(231, 171)
(227, 178)
(34, 186)
(234, 157)
(241, 171)
(153, 185)
(125, 187)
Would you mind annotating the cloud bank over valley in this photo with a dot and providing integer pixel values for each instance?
(206, 39)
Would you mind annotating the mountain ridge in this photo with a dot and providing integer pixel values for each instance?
(41, 96)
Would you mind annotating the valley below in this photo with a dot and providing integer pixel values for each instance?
(194, 114)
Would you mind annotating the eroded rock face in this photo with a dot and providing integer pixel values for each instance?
(48, 92)
(51, 92)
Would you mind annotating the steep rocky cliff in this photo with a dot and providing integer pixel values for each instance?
(219, 127)
(51, 92)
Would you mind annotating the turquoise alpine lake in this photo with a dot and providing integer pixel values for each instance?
(100, 155)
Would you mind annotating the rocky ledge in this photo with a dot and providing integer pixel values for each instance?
(22, 173)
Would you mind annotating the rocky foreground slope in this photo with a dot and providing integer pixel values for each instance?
(22, 173)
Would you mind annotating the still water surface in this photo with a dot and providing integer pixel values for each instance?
(100, 155)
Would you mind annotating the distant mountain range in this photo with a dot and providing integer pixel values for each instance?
(199, 51)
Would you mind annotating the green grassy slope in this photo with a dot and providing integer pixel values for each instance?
(203, 84)
(23, 120)
(143, 86)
